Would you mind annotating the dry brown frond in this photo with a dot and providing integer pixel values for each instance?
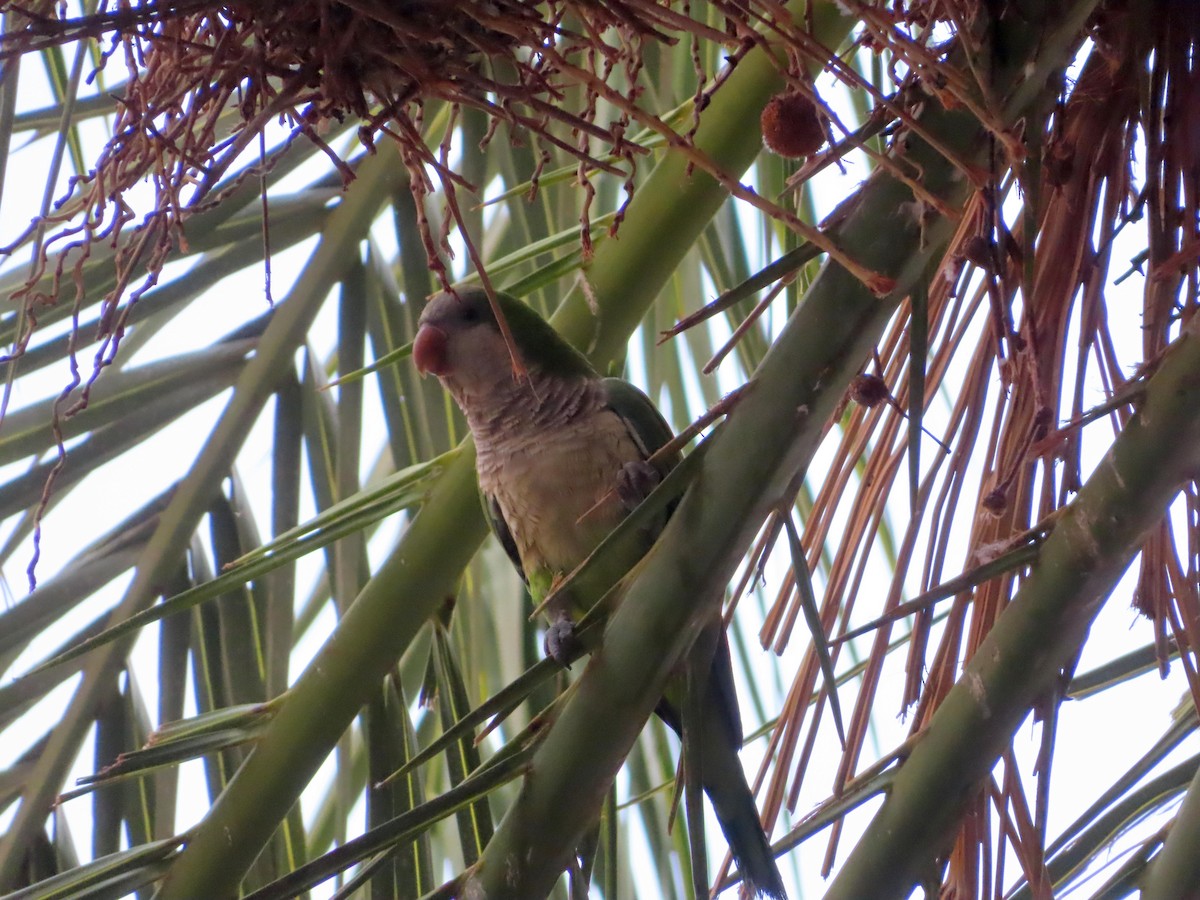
(1023, 281)
(206, 80)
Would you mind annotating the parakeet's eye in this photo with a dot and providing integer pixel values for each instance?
(471, 314)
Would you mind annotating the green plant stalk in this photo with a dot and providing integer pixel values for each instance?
(667, 214)
(347, 224)
(1038, 634)
(1175, 870)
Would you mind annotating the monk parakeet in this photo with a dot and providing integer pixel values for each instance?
(562, 456)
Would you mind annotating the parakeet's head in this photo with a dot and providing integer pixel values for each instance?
(459, 341)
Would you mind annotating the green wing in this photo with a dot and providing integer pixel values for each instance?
(495, 520)
(646, 424)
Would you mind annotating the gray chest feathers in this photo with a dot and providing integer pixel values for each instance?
(555, 486)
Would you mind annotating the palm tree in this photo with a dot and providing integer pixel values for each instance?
(261, 646)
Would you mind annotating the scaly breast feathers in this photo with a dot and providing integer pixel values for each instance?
(555, 489)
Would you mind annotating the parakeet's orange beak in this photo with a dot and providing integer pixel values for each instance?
(429, 350)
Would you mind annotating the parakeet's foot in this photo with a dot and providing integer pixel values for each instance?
(635, 481)
(561, 643)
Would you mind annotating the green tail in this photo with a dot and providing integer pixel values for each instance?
(722, 777)
(724, 782)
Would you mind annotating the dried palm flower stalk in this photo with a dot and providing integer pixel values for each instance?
(205, 80)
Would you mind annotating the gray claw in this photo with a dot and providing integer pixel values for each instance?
(635, 481)
(561, 644)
